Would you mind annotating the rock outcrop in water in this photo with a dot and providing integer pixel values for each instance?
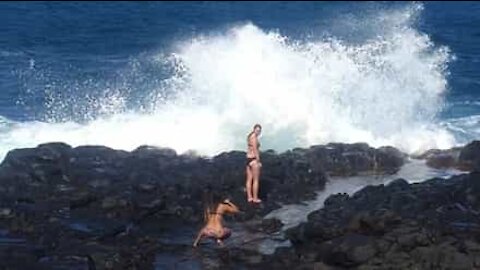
(92, 207)
(463, 158)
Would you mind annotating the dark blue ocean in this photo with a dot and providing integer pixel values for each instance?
(198, 75)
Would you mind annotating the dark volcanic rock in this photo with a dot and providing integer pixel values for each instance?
(441, 159)
(470, 156)
(90, 206)
(429, 225)
(465, 158)
(351, 159)
(271, 225)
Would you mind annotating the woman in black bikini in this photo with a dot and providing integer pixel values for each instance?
(253, 165)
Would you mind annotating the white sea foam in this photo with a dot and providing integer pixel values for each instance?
(386, 90)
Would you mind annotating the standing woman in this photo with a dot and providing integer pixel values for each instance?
(253, 165)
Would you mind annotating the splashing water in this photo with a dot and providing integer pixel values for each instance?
(387, 90)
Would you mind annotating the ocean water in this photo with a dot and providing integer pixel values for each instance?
(198, 75)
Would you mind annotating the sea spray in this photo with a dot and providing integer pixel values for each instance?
(386, 90)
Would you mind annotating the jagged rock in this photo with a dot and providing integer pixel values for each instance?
(398, 226)
(470, 156)
(87, 206)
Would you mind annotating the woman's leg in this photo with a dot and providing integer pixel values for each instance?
(199, 237)
(256, 180)
(248, 184)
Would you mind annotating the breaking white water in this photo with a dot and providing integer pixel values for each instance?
(386, 90)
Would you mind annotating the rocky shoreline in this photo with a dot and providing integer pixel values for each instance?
(92, 207)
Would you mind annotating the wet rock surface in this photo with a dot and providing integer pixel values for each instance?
(92, 207)
(430, 225)
(463, 158)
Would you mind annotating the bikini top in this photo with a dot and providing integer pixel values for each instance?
(248, 140)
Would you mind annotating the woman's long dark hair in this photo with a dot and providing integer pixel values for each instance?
(210, 201)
